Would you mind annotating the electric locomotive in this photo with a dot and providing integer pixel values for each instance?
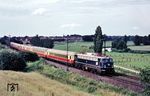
(95, 63)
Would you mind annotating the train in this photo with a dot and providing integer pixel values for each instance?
(88, 61)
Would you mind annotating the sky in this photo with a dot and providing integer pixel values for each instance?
(65, 17)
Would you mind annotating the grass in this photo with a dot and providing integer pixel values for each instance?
(129, 60)
(80, 82)
(35, 84)
(77, 46)
(74, 46)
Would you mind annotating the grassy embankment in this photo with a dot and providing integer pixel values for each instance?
(34, 84)
(78, 81)
(129, 60)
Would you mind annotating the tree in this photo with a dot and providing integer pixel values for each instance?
(119, 44)
(114, 44)
(149, 37)
(125, 39)
(16, 40)
(137, 40)
(146, 40)
(36, 41)
(4, 40)
(44, 42)
(87, 38)
(98, 40)
(48, 43)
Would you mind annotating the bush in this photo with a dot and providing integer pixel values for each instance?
(35, 66)
(10, 60)
(29, 56)
(145, 78)
(119, 44)
(2, 46)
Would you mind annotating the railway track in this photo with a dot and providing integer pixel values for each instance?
(124, 81)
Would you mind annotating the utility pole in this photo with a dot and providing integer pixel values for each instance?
(104, 40)
(67, 55)
(9, 37)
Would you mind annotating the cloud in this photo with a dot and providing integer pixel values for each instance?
(29, 4)
(71, 25)
(39, 11)
(81, 1)
(135, 28)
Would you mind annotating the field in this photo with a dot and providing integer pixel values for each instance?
(34, 84)
(78, 46)
(128, 60)
(142, 48)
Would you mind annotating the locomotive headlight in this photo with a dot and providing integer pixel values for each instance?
(108, 64)
(96, 63)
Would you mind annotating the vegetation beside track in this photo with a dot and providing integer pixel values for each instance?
(82, 83)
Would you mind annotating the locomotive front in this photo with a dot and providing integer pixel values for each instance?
(100, 64)
(106, 64)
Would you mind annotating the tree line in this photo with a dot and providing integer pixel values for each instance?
(137, 40)
(45, 42)
(35, 41)
(145, 40)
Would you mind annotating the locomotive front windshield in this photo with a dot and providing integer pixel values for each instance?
(106, 62)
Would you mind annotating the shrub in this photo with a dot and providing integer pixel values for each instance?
(2, 46)
(145, 78)
(29, 56)
(10, 60)
(119, 44)
(35, 66)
